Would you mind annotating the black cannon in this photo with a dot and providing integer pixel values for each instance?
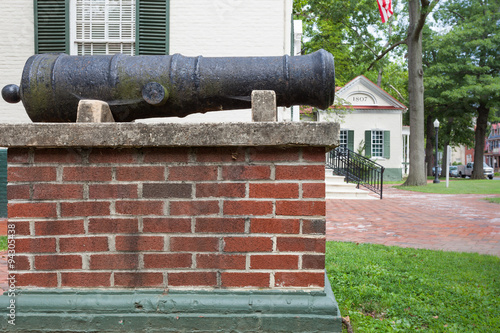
(164, 86)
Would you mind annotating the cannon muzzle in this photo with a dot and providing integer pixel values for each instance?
(138, 87)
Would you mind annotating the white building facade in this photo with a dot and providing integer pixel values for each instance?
(372, 125)
(190, 27)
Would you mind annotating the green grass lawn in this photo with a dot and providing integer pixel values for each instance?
(392, 289)
(458, 186)
(493, 200)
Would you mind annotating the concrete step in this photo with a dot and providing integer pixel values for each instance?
(334, 179)
(350, 194)
(337, 188)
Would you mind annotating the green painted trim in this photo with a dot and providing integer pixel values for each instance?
(168, 311)
(387, 144)
(59, 40)
(393, 174)
(35, 13)
(368, 143)
(67, 27)
(167, 23)
(144, 27)
(350, 140)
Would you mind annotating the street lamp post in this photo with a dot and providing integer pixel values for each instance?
(436, 171)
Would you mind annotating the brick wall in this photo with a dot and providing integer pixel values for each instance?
(168, 217)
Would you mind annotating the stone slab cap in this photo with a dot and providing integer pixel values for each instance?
(51, 135)
(93, 111)
(264, 105)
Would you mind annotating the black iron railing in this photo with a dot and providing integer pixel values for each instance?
(356, 169)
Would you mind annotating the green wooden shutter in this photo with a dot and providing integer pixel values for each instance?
(368, 143)
(350, 140)
(152, 27)
(51, 26)
(387, 144)
(3, 182)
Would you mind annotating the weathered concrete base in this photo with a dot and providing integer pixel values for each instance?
(52, 310)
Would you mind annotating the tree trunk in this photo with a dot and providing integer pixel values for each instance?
(417, 175)
(429, 144)
(480, 135)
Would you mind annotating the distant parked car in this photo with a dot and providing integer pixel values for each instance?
(434, 171)
(454, 171)
(466, 170)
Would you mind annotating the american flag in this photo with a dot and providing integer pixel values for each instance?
(385, 8)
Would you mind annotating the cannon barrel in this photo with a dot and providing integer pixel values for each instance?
(138, 87)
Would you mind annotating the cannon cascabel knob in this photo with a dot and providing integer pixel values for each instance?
(10, 93)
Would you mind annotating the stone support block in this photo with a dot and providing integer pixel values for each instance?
(93, 111)
(264, 105)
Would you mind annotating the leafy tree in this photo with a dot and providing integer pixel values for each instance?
(365, 36)
(467, 74)
(456, 122)
(352, 31)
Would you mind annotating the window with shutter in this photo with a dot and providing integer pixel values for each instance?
(51, 26)
(152, 27)
(346, 139)
(378, 143)
(102, 26)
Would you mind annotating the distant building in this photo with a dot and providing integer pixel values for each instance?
(371, 123)
(469, 154)
(492, 147)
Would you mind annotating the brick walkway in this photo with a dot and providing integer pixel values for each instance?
(462, 223)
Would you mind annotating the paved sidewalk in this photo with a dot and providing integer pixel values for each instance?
(459, 222)
(462, 223)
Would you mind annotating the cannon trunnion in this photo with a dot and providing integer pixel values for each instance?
(138, 87)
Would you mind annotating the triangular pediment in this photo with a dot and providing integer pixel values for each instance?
(361, 93)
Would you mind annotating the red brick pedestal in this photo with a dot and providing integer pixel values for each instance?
(203, 216)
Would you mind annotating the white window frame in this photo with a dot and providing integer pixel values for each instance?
(107, 41)
(344, 138)
(377, 145)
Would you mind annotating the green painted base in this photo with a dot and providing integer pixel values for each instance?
(56, 310)
(393, 174)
